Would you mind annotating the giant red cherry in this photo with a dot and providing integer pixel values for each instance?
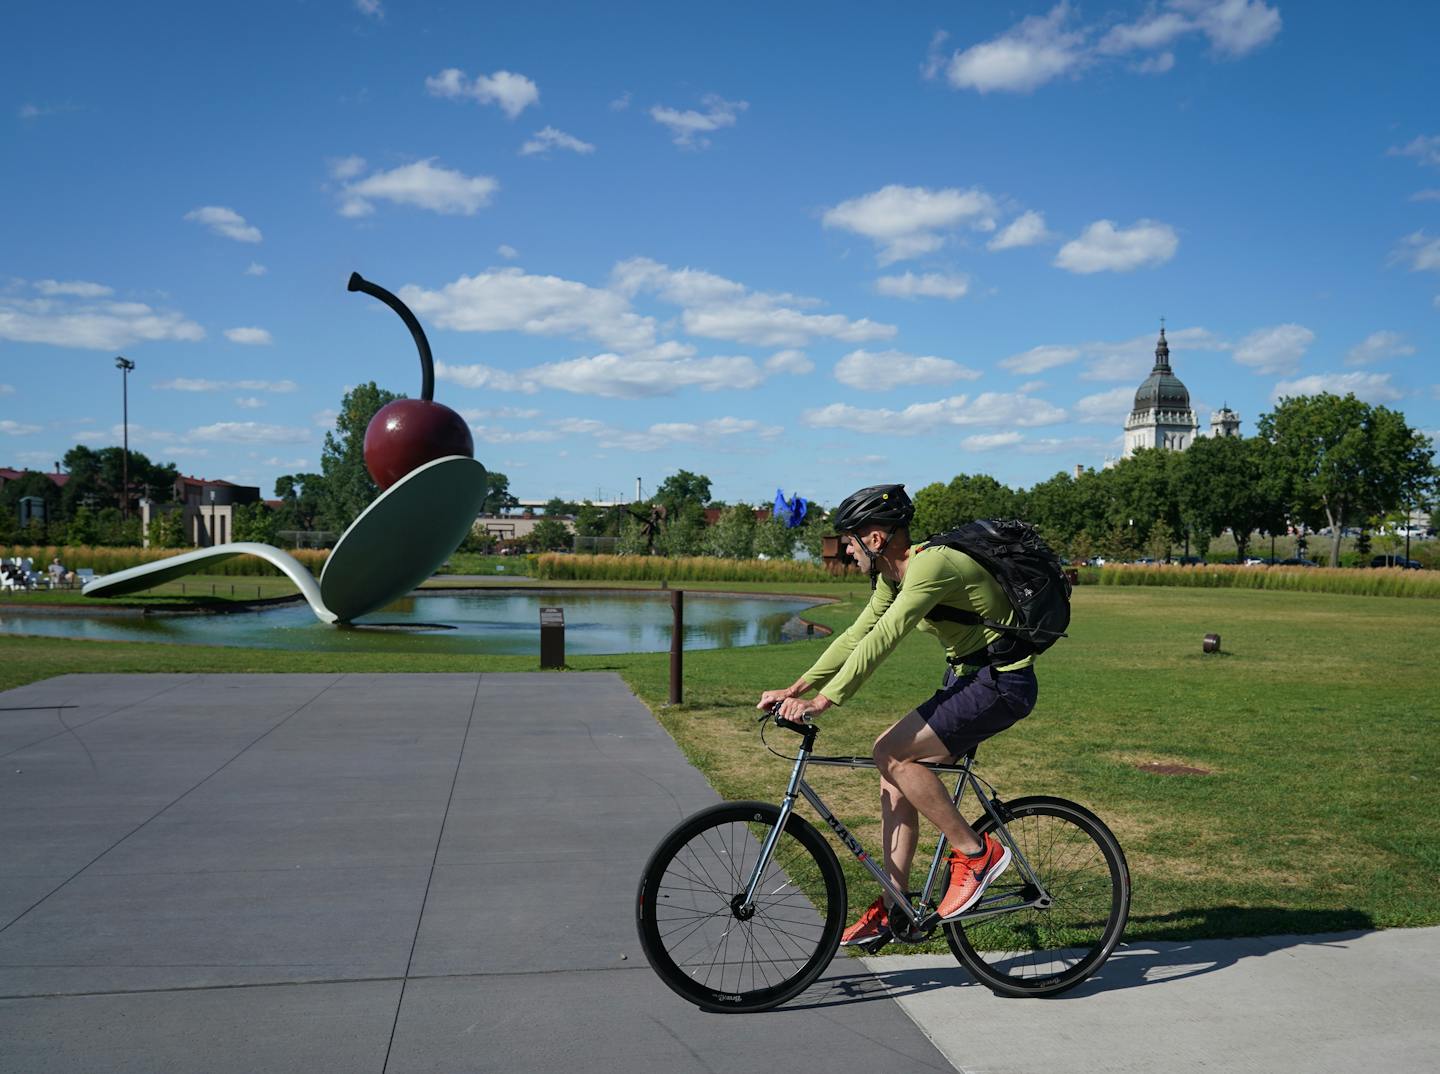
(407, 433)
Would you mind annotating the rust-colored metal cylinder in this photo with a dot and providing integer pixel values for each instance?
(677, 644)
(1211, 644)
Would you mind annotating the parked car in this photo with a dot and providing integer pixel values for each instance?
(1297, 561)
(1189, 561)
(1395, 561)
(1254, 561)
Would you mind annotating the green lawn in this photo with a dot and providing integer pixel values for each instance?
(1317, 721)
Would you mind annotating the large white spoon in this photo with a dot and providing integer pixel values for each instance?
(395, 544)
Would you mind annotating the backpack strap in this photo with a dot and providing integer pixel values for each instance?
(947, 614)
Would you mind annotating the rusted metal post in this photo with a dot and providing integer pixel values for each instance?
(677, 643)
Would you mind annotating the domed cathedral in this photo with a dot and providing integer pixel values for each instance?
(1161, 417)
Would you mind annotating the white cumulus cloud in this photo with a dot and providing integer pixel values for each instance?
(1420, 250)
(1277, 349)
(1105, 248)
(882, 370)
(256, 269)
(78, 288)
(16, 428)
(512, 92)
(1105, 408)
(226, 222)
(906, 221)
(987, 409)
(249, 336)
(1378, 346)
(548, 138)
(423, 185)
(928, 284)
(1371, 387)
(720, 308)
(512, 300)
(1042, 48)
(991, 441)
(195, 384)
(1027, 229)
(1425, 148)
(65, 321)
(1038, 49)
(688, 128)
(1039, 359)
(251, 432)
(789, 361)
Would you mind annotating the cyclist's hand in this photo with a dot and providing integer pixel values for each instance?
(798, 710)
(770, 697)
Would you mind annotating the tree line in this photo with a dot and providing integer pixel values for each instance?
(1321, 462)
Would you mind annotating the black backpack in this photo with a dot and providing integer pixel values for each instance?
(1030, 575)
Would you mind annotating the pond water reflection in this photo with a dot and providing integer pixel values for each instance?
(471, 621)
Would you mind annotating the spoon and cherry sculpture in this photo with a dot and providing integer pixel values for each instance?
(421, 454)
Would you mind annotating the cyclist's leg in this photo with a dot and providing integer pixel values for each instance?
(961, 714)
(897, 754)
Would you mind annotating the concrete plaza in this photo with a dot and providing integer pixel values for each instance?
(437, 872)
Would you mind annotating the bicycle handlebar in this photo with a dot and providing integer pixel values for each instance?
(800, 727)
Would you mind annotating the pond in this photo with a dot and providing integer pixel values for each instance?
(469, 621)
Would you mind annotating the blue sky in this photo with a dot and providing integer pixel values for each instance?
(804, 245)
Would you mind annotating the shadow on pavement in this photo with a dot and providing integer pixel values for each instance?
(1188, 951)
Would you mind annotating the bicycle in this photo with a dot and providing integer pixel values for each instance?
(742, 905)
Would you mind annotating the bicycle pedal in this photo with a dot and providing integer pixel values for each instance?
(874, 946)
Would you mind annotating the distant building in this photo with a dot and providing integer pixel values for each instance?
(1161, 416)
(1225, 422)
(208, 509)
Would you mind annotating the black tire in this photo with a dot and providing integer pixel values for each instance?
(1043, 952)
(690, 934)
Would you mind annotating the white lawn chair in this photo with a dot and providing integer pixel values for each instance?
(84, 576)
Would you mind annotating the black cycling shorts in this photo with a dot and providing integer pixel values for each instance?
(965, 711)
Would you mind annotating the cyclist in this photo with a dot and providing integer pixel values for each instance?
(989, 685)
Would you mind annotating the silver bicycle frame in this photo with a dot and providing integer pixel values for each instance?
(921, 918)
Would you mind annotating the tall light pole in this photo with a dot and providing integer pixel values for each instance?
(125, 365)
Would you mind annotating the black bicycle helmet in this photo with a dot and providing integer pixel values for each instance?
(878, 505)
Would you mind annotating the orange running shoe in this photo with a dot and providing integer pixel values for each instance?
(873, 927)
(969, 877)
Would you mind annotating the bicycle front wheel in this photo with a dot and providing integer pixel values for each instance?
(1044, 951)
(687, 911)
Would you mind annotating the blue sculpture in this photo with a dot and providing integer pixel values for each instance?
(791, 510)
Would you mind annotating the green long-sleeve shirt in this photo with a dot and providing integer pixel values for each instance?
(934, 575)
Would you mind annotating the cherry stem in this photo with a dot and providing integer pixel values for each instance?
(427, 361)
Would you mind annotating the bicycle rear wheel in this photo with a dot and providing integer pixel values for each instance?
(689, 891)
(1042, 952)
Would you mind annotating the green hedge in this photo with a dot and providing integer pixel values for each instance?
(106, 560)
(571, 568)
(1383, 582)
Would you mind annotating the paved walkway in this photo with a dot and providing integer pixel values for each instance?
(360, 873)
(436, 872)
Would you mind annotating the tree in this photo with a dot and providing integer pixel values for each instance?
(733, 536)
(967, 497)
(300, 501)
(682, 488)
(96, 477)
(1053, 508)
(551, 535)
(497, 494)
(1341, 459)
(684, 534)
(774, 539)
(1143, 495)
(32, 484)
(1229, 483)
(555, 506)
(255, 522)
(347, 489)
(166, 530)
